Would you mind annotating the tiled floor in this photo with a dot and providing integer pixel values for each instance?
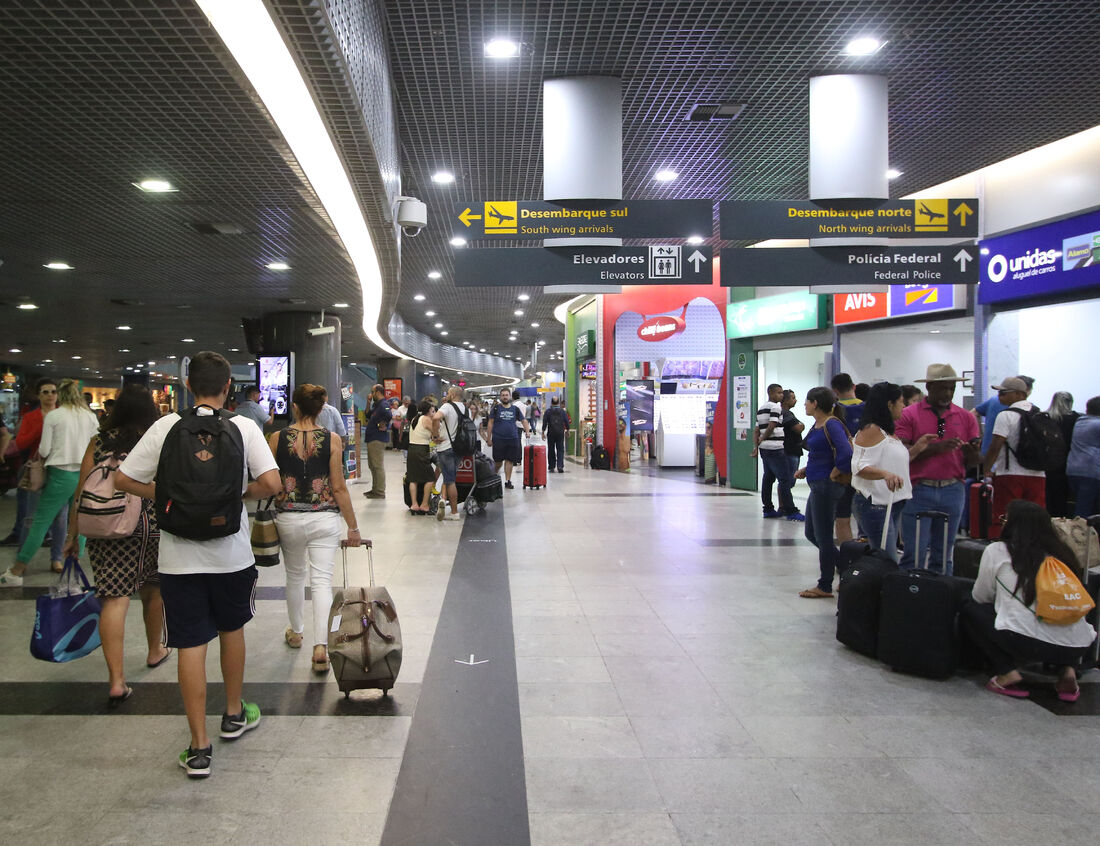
(671, 688)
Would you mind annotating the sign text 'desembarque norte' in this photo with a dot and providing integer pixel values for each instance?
(754, 220)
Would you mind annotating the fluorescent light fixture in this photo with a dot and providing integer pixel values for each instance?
(523, 297)
(893, 173)
(351, 364)
(501, 48)
(518, 312)
(251, 36)
(187, 340)
(665, 175)
(865, 45)
(173, 357)
(435, 274)
(439, 326)
(534, 326)
(419, 298)
(277, 265)
(77, 357)
(29, 307)
(695, 239)
(58, 265)
(339, 305)
(123, 328)
(15, 350)
(429, 314)
(513, 338)
(443, 177)
(482, 349)
(933, 331)
(47, 361)
(458, 242)
(151, 363)
(123, 350)
(444, 332)
(156, 186)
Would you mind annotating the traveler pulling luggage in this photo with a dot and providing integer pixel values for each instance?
(918, 615)
(859, 594)
(534, 464)
(364, 641)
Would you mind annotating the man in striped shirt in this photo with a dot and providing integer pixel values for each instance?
(768, 443)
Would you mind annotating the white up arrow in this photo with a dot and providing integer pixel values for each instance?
(963, 257)
(471, 662)
(696, 258)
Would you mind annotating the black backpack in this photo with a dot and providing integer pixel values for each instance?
(601, 458)
(555, 421)
(464, 440)
(199, 476)
(1042, 445)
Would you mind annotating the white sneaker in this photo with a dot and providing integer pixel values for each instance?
(9, 579)
(451, 517)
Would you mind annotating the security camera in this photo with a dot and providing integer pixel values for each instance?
(412, 215)
(321, 330)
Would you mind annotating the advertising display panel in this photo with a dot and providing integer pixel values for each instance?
(639, 400)
(275, 383)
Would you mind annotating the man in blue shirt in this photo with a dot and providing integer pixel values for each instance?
(376, 437)
(252, 409)
(330, 418)
(505, 421)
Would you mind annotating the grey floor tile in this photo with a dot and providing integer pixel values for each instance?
(339, 737)
(809, 737)
(656, 644)
(709, 736)
(873, 785)
(569, 699)
(986, 785)
(722, 785)
(635, 829)
(590, 786)
(1022, 829)
(788, 829)
(894, 829)
(558, 669)
(579, 737)
(578, 644)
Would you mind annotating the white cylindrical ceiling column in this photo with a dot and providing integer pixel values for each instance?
(849, 137)
(582, 138)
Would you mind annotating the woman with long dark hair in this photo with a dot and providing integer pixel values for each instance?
(124, 566)
(1002, 619)
(1057, 490)
(830, 457)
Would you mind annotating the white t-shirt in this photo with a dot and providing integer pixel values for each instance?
(995, 583)
(181, 556)
(449, 424)
(1007, 425)
(66, 432)
(766, 414)
(890, 455)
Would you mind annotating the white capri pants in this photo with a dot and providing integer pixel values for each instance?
(309, 540)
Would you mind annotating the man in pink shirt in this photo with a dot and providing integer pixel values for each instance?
(944, 441)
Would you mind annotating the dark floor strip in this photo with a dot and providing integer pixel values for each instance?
(657, 494)
(749, 541)
(285, 699)
(462, 778)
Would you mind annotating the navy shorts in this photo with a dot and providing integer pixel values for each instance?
(446, 461)
(199, 605)
(844, 506)
(507, 450)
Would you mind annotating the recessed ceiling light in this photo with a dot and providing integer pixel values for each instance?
(351, 364)
(419, 298)
(429, 314)
(444, 332)
(665, 175)
(501, 48)
(187, 340)
(458, 242)
(47, 361)
(435, 274)
(155, 186)
(482, 349)
(231, 349)
(534, 326)
(930, 332)
(443, 177)
(695, 239)
(277, 265)
(15, 350)
(58, 265)
(123, 328)
(59, 341)
(150, 363)
(123, 350)
(518, 312)
(172, 356)
(77, 357)
(865, 45)
(439, 326)
(893, 173)
(339, 305)
(523, 297)
(28, 307)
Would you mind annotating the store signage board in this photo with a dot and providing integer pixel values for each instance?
(795, 312)
(802, 266)
(1053, 259)
(586, 343)
(670, 264)
(527, 219)
(901, 301)
(742, 402)
(556, 385)
(752, 220)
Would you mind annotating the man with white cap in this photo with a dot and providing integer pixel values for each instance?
(943, 441)
(1011, 480)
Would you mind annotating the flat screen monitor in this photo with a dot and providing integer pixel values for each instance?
(668, 388)
(275, 383)
(639, 401)
(588, 370)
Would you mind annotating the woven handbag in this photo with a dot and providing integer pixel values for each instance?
(265, 536)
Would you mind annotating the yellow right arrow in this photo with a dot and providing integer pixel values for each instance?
(466, 217)
(962, 210)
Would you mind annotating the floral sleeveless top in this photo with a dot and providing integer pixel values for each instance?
(306, 483)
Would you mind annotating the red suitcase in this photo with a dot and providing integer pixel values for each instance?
(534, 466)
(981, 512)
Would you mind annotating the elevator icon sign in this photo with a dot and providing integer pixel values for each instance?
(664, 263)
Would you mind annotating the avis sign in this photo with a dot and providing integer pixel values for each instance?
(901, 301)
(661, 328)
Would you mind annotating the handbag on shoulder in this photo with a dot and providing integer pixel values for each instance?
(34, 474)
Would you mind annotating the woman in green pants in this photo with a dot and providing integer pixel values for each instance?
(66, 432)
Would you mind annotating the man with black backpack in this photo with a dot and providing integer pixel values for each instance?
(195, 466)
(1026, 443)
(555, 423)
(458, 439)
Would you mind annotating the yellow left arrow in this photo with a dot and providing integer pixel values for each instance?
(466, 216)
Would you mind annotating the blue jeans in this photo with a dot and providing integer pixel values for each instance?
(776, 469)
(1086, 491)
(948, 499)
(871, 518)
(820, 518)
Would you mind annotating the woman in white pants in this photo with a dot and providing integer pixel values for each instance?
(310, 506)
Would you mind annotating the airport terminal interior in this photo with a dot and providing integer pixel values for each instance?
(366, 194)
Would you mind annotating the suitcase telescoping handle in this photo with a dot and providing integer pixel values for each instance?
(933, 516)
(365, 542)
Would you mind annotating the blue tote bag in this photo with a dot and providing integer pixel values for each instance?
(66, 620)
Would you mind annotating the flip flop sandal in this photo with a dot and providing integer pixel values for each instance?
(1006, 690)
(114, 701)
(1069, 695)
(155, 664)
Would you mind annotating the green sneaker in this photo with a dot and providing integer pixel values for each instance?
(237, 724)
(197, 761)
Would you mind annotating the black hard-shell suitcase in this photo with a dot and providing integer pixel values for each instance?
(858, 597)
(918, 616)
(364, 641)
(433, 499)
(968, 556)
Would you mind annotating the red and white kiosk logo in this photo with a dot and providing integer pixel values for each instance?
(852, 308)
(661, 328)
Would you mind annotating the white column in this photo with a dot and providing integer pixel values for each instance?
(849, 135)
(582, 138)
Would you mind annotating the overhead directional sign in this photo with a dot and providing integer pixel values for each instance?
(658, 265)
(850, 266)
(753, 220)
(596, 218)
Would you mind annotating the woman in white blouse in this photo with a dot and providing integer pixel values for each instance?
(1002, 620)
(880, 467)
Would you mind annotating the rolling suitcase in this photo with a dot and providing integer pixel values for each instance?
(968, 557)
(433, 499)
(858, 595)
(364, 641)
(981, 511)
(534, 466)
(918, 616)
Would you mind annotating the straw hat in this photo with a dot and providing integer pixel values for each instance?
(940, 373)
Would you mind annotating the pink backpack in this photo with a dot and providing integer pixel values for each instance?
(104, 512)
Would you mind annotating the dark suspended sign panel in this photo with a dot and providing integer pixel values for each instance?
(520, 219)
(850, 266)
(658, 265)
(756, 220)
